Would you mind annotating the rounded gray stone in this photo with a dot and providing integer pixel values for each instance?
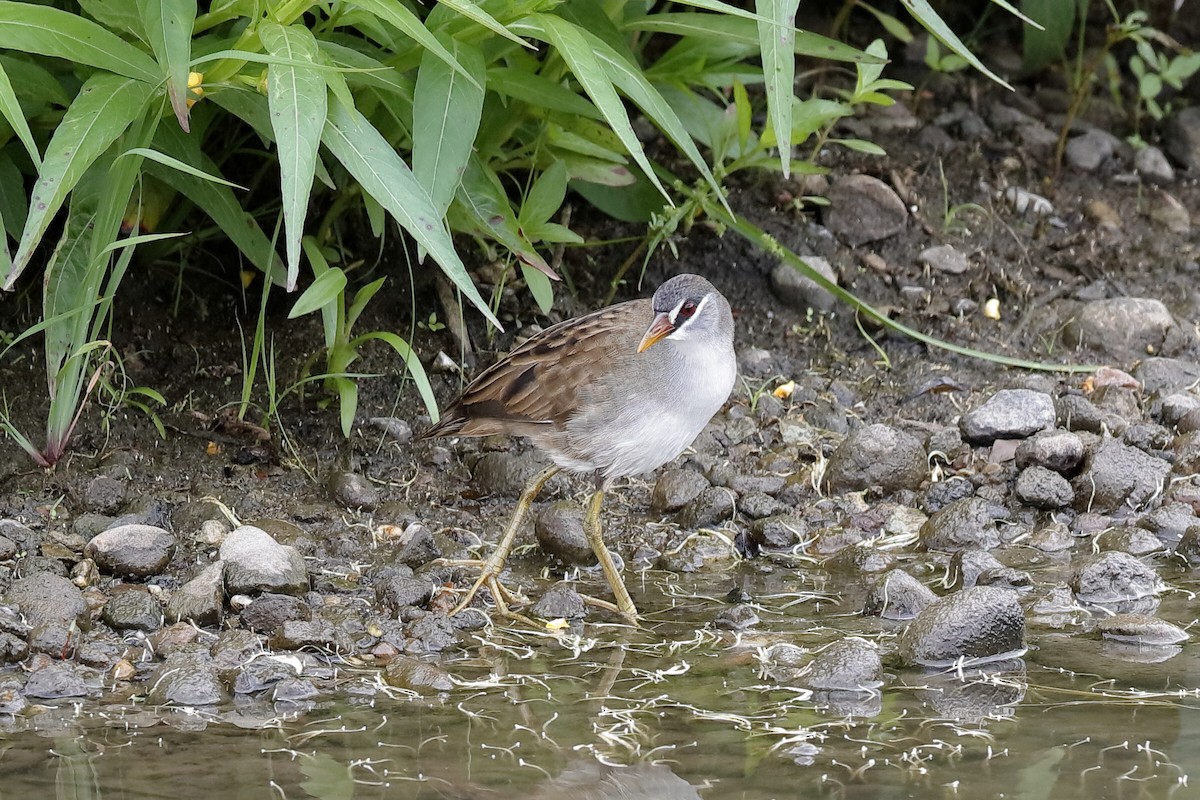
(255, 563)
(877, 455)
(851, 664)
(1124, 328)
(1008, 414)
(135, 550)
(864, 209)
(979, 624)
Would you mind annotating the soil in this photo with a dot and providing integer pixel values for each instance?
(1041, 270)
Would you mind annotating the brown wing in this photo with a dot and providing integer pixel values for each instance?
(537, 385)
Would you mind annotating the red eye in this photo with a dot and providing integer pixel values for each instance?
(687, 309)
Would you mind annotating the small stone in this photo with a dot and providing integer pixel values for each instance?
(1059, 450)
(295, 634)
(1153, 166)
(698, 551)
(351, 490)
(559, 532)
(201, 599)
(505, 474)
(736, 618)
(970, 522)
(1168, 523)
(779, 532)
(757, 505)
(1141, 629)
(1008, 414)
(1116, 475)
(851, 664)
(1077, 413)
(104, 495)
(897, 595)
(137, 551)
(187, 678)
(269, 611)
(1043, 488)
(979, 624)
(712, 506)
(432, 633)
(396, 429)
(45, 598)
(133, 609)
(1183, 137)
(1052, 538)
(944, 258)
(417, 546)
(418, 676)
(402, 591)
(864, 209)
(877, 455)
(254, 563)
(1114, 577)
(801, 292)
(560, 601)
(1091, 149)
(1123, 328)
(55, 682)
(968, 564)
(1134, 541)
(1167, 375)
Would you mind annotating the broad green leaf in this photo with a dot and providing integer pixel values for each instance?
(446, 112)
(299, 103)
(890, 23)
(103, 109)
(361, 298)
(174, 163)
(1056, 19)
(33, 83)
(411, 361)
(168, 25)
(48, 31)
(635, 202)
(580, 53)
(383, 174)
(14, 205)
(777, 43)
(482, 199)
(398, 15)
(325, 290)
(545, 197)
(363, 70)
(122, 15)
(16, 118)
(540, 287)
(923, 13)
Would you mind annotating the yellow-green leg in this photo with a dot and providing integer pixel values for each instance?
(591, 529)
(489, 575)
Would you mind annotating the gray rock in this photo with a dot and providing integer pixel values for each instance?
(757, 505)
(1166, 375)
(559, 532)
(236, 647)
(800, 291)
(1189, 546)
(132, 609)
(398, 430)
(1183, 137)
(55, 681)
(736, 618)
(1076, 413)
(1186, 449)
(402, 591)
(315, 634)
(712, 506)
(968, 564)
(970, 522)
(1005, 577)
(201, 599)
(351, 490)
(779, 532)
(255, 563)
(1123, 328)
(1135, 541)
(560, 601)
(943, 493)
(132, 550)
(1152, 164)
(1091, 149)
(1173, 408)
(422, 677)
(1116, 475)
(1043, 488)
(851, 664)
(944, 258)
(417, 546)
(1052, 538)
(897, 595)
(269, 611)
(505, 474)
(432, 633)
(1008, 414)
(877, 455)
(979, 624)
(45, 598)
(860, 558)
(1168, 523)
(863, 209)
(187, 678)
(13, 649)
(1141, 629)
(1114, 577)
(104, 495)
(8, 549)
(1059, 450)
(697, 551)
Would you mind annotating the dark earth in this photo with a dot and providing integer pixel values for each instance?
(882, 566)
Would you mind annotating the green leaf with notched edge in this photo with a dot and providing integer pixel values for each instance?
(48, 31)
(298, 100)
(103, 109)
(383, 174)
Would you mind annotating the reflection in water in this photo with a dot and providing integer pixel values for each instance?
(672, 712)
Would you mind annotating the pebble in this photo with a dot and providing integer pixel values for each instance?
(351, 490)
(1091, 149)
(779, 532)
(432, 633)
(1121, 328)
(944, 258)
(675, 488)
(1008, 414)
(799, 291)
(1116, 475)
(1152, 164)
(970, 522)
(54, 682)
(396, 429)
(712, 506)
(137, 551)
(1164, 375)
(698, 551)
(898, 596)
(979, 624)
(317, 634)
(1054, 537)
(505, 474)
(968, 564)
(104, 495)
(1059, 450)
(1169, 522)
(1141, 629)
(864, 209)
(736, 618)
(132, 609)
(402, 591)
(415, 675)
(269, 611)
(851, 664)
(254, 563)
(559, 531)
(45, 598)
(757, 505)
(187, 678)
(1114, 577)
(200, 600)
(560, 601)
(877, 455)
(1043, 488)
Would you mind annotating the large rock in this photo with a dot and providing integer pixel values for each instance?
(877, 455)
(1114, 577)
(256, 563)
(1116, 475)
(1123, 328)
(137, 551)
(863, 209)
(979, 624)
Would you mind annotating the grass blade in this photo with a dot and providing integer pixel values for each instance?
(384, 175)
(299, 104)
(410, 25)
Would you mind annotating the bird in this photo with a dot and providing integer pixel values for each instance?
(617, 392)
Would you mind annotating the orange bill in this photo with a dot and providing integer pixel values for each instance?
(661, 327)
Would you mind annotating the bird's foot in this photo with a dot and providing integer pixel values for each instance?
(503, 597)
(630, 615)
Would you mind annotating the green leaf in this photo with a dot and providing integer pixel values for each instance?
(777, 43)
(540, 287)
(545, 196)
(861, 146)
(122, 15)
(103, 109)
(1048, 45)
(410, 24)
(384, 175)
(446, 112)
(16, 117)
(580, 54)
(539, 91)
(923, 13)
(415, 370)
(482, 199)
(298, 101)
(743, 30)
(174, 163)
(168, 25)
(637, 202)
(889, 23)
(473, 12)
(48, 31)
(14, 205)
(325, 290)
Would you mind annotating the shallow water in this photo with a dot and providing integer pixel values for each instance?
(674, 710)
